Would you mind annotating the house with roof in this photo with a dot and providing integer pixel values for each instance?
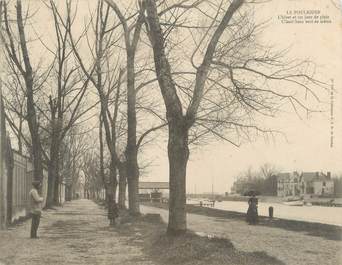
(305, 183)
(317, 183)
(288, 184)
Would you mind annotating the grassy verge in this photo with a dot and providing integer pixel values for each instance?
(148, 233)
(331, 232)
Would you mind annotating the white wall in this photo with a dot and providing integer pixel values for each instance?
(327, 189)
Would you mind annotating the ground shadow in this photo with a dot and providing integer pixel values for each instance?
(330, 232)
(67, 229)
(149, 234)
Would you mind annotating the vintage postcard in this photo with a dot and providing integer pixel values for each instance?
(166, 132)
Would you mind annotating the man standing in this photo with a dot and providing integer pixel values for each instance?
(36, 208)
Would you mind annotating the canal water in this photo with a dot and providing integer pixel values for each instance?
(317, 214)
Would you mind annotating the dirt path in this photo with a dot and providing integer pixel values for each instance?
(293, 248)
(77, 233)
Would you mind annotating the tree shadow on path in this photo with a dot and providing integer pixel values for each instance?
(188, 249)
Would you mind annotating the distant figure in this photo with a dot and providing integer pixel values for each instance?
(252, 212)
(36, 207)
(270, 212)
(113, 212)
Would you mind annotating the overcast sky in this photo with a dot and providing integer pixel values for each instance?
(307, 147)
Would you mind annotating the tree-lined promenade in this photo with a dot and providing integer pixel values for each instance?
(122, 73)
(89, 86)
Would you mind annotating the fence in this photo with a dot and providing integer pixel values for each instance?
(18, 188)
(3, 169)
(16, 175)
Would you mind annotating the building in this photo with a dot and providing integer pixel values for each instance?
(305, 183)
(153, 191)
(317, 183)
(288, 184)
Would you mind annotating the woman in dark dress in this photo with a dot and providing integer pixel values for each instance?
(252, 212)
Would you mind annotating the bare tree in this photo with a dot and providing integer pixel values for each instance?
(131, 38)
(55, 112)
(110, 94)
(132, 27)
(106, 77)
(17, 127)
(235, 80)
(268, 170)
(336, 4)
(14, 101)
(69, 87)
(102, 170)
(93, 182)
(20, 58)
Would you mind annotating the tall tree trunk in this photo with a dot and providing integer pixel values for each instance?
(111, 186)
(20, 143)
(56, 191)
(122, 185)
(179, 124)
(178, 153)
(113, 183)
(131, 151)
(111, 193)
(102, 173)
(68, 192)
(31, 112)
(131, 41)
(133, 192)
(51, 186)
(52, 191)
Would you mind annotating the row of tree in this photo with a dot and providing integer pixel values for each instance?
(263, 181)
(195, 67)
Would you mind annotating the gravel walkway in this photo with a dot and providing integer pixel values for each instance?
(293, 248)
(75, 234)
(78, 233)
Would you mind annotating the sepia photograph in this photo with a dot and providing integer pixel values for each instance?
(170, 132)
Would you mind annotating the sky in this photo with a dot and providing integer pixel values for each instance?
(307, 143)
